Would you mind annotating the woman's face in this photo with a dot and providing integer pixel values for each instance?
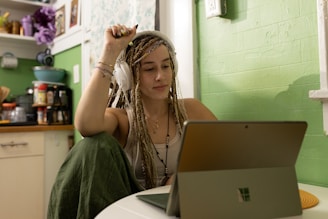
(156, 74)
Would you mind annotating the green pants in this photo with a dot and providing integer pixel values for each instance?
(95, 174)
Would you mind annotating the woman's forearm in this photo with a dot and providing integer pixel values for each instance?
(90, 113)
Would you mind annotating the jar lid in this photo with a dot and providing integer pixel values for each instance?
(42, 87)
(9, 105)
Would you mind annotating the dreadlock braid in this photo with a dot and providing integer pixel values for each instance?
(141, 47)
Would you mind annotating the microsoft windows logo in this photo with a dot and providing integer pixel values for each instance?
(243, 195)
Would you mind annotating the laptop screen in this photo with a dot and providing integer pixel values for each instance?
(218, 145)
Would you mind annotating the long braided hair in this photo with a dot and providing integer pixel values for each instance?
(141, 47)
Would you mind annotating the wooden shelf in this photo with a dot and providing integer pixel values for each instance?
(45, 105)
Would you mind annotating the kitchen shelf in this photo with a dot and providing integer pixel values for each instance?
(15, 37)
(22, 4)
(21, 46)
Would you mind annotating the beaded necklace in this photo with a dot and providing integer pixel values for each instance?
(167, 140)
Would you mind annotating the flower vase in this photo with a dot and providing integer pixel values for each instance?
(28, 28)
(27, 25)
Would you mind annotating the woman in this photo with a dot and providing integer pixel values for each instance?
(132, 144)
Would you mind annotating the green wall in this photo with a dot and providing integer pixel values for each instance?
(18, 79)
(67, 60)
(259, 63)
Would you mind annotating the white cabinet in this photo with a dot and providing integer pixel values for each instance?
(21, 175)
(20, 46)
(29, 162)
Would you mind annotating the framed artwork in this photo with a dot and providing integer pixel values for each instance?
(74, 15)
(60, 21)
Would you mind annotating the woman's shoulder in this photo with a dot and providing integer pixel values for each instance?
(196, 110)
(190, 103)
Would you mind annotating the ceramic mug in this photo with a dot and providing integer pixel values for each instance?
(9, 61)
(45, 58)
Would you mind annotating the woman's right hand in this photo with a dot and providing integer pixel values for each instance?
(117, 38)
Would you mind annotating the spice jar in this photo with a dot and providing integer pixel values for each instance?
(42, 94)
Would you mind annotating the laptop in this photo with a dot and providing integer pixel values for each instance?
(230, 169)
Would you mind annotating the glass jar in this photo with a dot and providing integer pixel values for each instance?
(8, 111)
(19, 115)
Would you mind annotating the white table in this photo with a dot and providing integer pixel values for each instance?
(132, 207)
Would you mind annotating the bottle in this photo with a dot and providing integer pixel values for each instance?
(35, 93)
(50, 117)
(50, 95)
(40, 115)
(63, 97)
(60, 117)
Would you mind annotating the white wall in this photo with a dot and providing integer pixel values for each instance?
(177, 21)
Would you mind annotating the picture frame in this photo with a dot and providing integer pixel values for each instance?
(74, 13)
(60, 21)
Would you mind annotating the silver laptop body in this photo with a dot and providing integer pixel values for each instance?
(237, 170)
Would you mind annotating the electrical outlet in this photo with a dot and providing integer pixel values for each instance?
(76, 74)
(215, 8)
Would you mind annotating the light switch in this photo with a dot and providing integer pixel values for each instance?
(76, 74)
(215, 8)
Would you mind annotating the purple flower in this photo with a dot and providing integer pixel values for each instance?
(27, 19)
(44, 23)
(44, 36)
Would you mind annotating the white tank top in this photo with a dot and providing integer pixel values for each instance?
(134, 154)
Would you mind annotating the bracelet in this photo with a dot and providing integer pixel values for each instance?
(105, 72)
(108, 65)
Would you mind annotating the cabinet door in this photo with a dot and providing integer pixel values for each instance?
(21, 175)
(56, 149)
(21, 188)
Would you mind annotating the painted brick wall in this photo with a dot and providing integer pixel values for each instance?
(258, 63)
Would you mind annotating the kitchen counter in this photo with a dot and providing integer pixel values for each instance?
(33, 128)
